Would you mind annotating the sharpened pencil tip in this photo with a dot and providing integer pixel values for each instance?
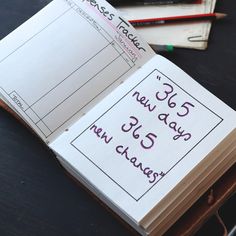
(220, 15)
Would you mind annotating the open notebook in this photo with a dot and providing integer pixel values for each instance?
(136, 130)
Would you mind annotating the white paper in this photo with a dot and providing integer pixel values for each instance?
(130, 152)
(63, 60)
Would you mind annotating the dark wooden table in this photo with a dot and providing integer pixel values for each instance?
(36, 195)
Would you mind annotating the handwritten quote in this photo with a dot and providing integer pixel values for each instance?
(132, 126)
(147, 131)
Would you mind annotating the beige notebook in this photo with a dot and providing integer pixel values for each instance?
(189, 35)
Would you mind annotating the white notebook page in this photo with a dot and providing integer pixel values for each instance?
(56, 66)
(141, 140)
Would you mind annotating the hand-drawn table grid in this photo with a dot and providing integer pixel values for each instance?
(109, 57)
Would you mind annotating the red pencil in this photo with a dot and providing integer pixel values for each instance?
(177, 19)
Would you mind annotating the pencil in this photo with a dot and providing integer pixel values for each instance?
(177, 19)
